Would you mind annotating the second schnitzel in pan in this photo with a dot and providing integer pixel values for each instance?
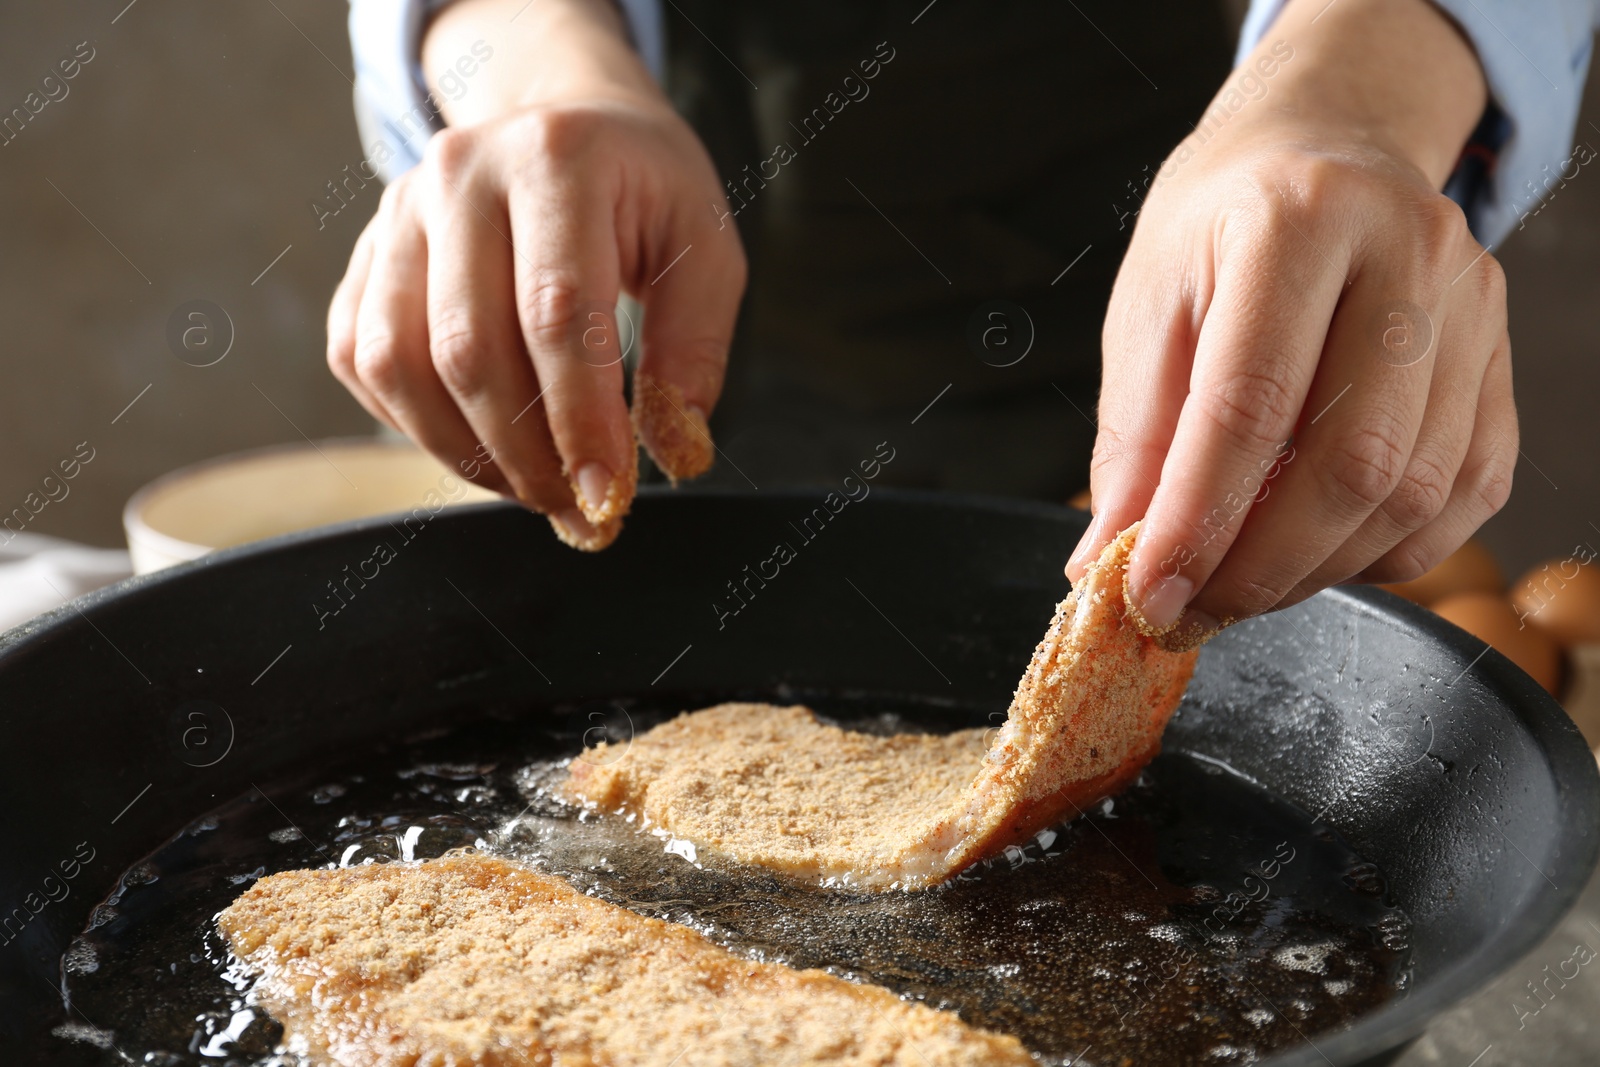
(470, 961)
(774, 787)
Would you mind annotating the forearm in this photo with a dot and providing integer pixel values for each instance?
(544, 51)
(1397, 74)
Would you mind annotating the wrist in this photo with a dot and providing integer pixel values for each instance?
(545, 51)
(1396, 76)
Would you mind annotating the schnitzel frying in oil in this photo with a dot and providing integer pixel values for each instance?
(774, 787)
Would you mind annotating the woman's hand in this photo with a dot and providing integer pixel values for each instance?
(1307, 372)
(476, 315)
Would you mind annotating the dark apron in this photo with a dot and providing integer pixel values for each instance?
(908, 232)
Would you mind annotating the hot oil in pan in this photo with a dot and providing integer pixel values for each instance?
(1195, 919)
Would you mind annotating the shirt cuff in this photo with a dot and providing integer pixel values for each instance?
(395, 112)
(1535, 56)
(649, 35)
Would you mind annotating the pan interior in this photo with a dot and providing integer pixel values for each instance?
(1194, 918)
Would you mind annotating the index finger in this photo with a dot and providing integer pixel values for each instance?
(1256, 357)
(567, 272)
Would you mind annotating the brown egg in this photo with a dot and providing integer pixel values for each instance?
(1491, 617)
(1082, 500)
(1562, 598)
(1469, 569)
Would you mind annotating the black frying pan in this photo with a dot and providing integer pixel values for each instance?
(1444, 764)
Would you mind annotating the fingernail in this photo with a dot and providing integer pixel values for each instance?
(594, 485)
(1163, 600)
(1080, 554)
(1077, 554)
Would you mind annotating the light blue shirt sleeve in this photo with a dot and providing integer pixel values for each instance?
(395, 113)
(1535, 56)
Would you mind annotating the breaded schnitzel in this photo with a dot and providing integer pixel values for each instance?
(470, 961)
(774, 787)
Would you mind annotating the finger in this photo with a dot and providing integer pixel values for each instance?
(1362, 420)
(391, 355)
(1361, 428)
(474, 337)
(1481, 488)
(342, 328)
(1466, 345)
(690, 307)
(1148, 345)
(1254, 364)
(567, 279)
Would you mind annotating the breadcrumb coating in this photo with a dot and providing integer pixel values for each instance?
(673, 431)
(591, 542)
(471, 961)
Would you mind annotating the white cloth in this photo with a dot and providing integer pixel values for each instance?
(38, 573)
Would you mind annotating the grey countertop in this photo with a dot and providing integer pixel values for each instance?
(1507, 1026)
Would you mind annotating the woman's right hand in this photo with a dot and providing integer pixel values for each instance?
(477, 312)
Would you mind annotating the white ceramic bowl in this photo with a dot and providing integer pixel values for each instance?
(247, 496)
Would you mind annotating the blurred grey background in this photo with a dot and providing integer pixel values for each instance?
(184, 160)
